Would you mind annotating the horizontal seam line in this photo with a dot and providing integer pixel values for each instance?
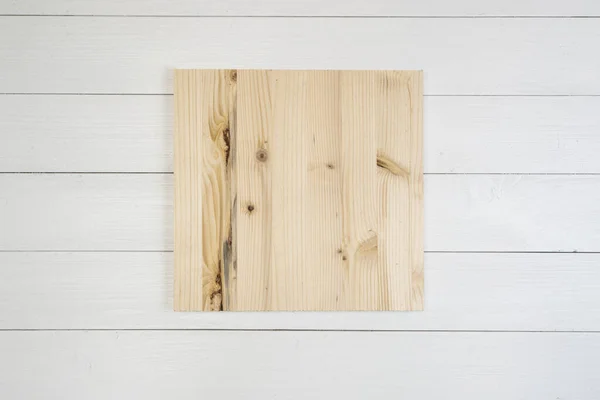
(171, 94)
(84, 251)
(294, 330)
(425, 173)
(516, 173)
(84, 173)
(510, 252)
(426, 251)
(291, 16)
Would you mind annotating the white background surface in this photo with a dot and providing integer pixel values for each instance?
(512, 202)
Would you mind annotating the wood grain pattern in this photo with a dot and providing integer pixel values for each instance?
(400, 178)
(204, 102)
(253, 214)
(60, 125)
(317, 207)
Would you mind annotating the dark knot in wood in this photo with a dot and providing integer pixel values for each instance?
(261, 155)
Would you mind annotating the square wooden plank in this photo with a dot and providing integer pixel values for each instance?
(298, 190)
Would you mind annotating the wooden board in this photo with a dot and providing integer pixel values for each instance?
(134, 290)
(187, 365)
(135, 55)
(306, 8)
(298, 190)
(465, 134)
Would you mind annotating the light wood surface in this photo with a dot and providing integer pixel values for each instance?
(253, 211)
(321, 173)
(86, 202)
(188, 136)
(204, 103)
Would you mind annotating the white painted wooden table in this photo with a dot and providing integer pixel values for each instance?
(512, 202)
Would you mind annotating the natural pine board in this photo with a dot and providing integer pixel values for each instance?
(399, 137)
(204, 101)
(298, 190)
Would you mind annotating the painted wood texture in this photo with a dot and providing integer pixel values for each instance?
(155, 365)
(134, 290)
(483, 57)
(465, 213)
(90, 248)
(302, 192)
(384, 8)
(465, 134)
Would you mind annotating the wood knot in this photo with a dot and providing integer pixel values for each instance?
(330, 166)
(367, 245)
(233, 76)
(261, 155)
(389, 165)
(250, 208)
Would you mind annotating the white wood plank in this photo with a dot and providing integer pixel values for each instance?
(463, 212)
(512, 134)
(298, 365)
(470, 134)
(516, 292)
(86, 212)
(304, 7)
(459, 56)
(512, 213)
(86, 133)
